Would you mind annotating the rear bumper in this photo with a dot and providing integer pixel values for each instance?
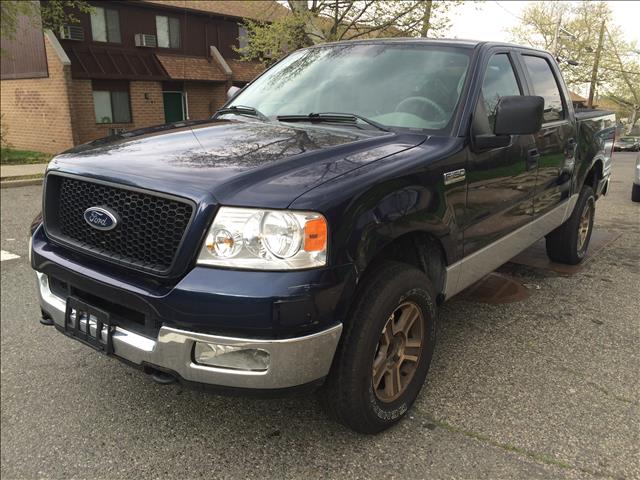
(291, 362)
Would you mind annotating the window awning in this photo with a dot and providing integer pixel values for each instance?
(110, 63)
(119, 64)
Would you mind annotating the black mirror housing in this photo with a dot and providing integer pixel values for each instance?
(518, 115)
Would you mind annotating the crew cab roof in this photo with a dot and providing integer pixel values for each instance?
(453, 42)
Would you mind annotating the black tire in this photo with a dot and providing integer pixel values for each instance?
(348, 393)
(635, 193)
(569, 242)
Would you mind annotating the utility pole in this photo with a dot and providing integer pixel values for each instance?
(556, 36)
(596, 62)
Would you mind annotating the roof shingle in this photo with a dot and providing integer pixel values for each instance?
(191, 68)
(179, 67)
(263, 10)
(245, 71)
(576, 98)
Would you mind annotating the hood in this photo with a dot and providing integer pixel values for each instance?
(246, 163)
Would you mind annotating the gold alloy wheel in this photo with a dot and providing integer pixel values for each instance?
(398, 353)
(585, 222)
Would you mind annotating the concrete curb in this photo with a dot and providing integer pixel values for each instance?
(21, 183)
(20, 172)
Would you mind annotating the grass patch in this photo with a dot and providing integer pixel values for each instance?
(10, 156)
(23, 177)
(537, 456)
(541, 457)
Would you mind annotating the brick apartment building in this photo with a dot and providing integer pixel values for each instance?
(126, 65)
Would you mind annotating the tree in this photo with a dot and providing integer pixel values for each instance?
(11, 11)
(53, 13)
(268, 42)
(319, 21)
(434, 18)
(624, 88)
(56, 13)
(571, 33)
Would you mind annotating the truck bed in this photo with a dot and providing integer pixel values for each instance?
(588, 113)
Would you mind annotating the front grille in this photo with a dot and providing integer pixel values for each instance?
(150, 226)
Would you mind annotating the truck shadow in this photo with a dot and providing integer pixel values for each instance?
(261, 421)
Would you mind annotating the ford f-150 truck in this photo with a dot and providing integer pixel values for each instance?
(306, 235)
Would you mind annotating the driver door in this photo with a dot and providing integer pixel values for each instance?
(500, 181)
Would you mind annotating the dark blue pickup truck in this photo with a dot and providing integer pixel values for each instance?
(306, 235)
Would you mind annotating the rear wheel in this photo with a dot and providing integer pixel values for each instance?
(385, 351)
(635, 193)
(569, 242)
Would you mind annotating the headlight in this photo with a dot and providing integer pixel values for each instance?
(265, 240)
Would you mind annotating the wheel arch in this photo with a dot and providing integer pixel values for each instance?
(594, 174)
(421, 249)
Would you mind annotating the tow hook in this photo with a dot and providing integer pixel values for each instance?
(46, 319)
(162, 378)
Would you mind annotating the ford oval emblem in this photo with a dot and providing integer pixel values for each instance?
(101, 218)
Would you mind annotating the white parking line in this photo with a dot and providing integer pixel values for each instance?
(7, 256)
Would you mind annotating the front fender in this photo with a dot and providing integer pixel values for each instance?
(384, 216)
(372, 206)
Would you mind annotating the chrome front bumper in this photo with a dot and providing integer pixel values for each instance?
(292, 362)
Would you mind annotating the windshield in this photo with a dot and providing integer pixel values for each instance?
(396, 85)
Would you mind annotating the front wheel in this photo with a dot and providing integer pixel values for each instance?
(385, 351)
(569, 242)
(635, 193)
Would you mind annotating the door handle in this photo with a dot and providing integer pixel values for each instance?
(571, 147)
(532, 158)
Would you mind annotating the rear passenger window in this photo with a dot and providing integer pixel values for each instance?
(499, 81)
(545, 85)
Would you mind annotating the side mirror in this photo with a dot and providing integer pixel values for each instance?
(489, 142)
(232, 92)
(518, 115)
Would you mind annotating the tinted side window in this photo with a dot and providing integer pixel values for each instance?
(545, 85)
(499, 81)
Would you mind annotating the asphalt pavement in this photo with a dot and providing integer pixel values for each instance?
(545, 388)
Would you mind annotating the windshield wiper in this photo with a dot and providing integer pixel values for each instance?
(331, 117)
(242, 110)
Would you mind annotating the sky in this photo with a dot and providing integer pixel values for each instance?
(490, 20)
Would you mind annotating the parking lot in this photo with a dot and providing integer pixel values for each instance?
(543, 388)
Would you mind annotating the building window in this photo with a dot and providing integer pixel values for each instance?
(243, 36)
(111, 102)
(105, 25)
(168, 31)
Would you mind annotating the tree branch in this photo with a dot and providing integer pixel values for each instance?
(624, 76)
(384, 25)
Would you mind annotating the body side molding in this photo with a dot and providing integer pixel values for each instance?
(472, 268)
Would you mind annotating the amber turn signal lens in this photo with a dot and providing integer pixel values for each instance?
(315, 235)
